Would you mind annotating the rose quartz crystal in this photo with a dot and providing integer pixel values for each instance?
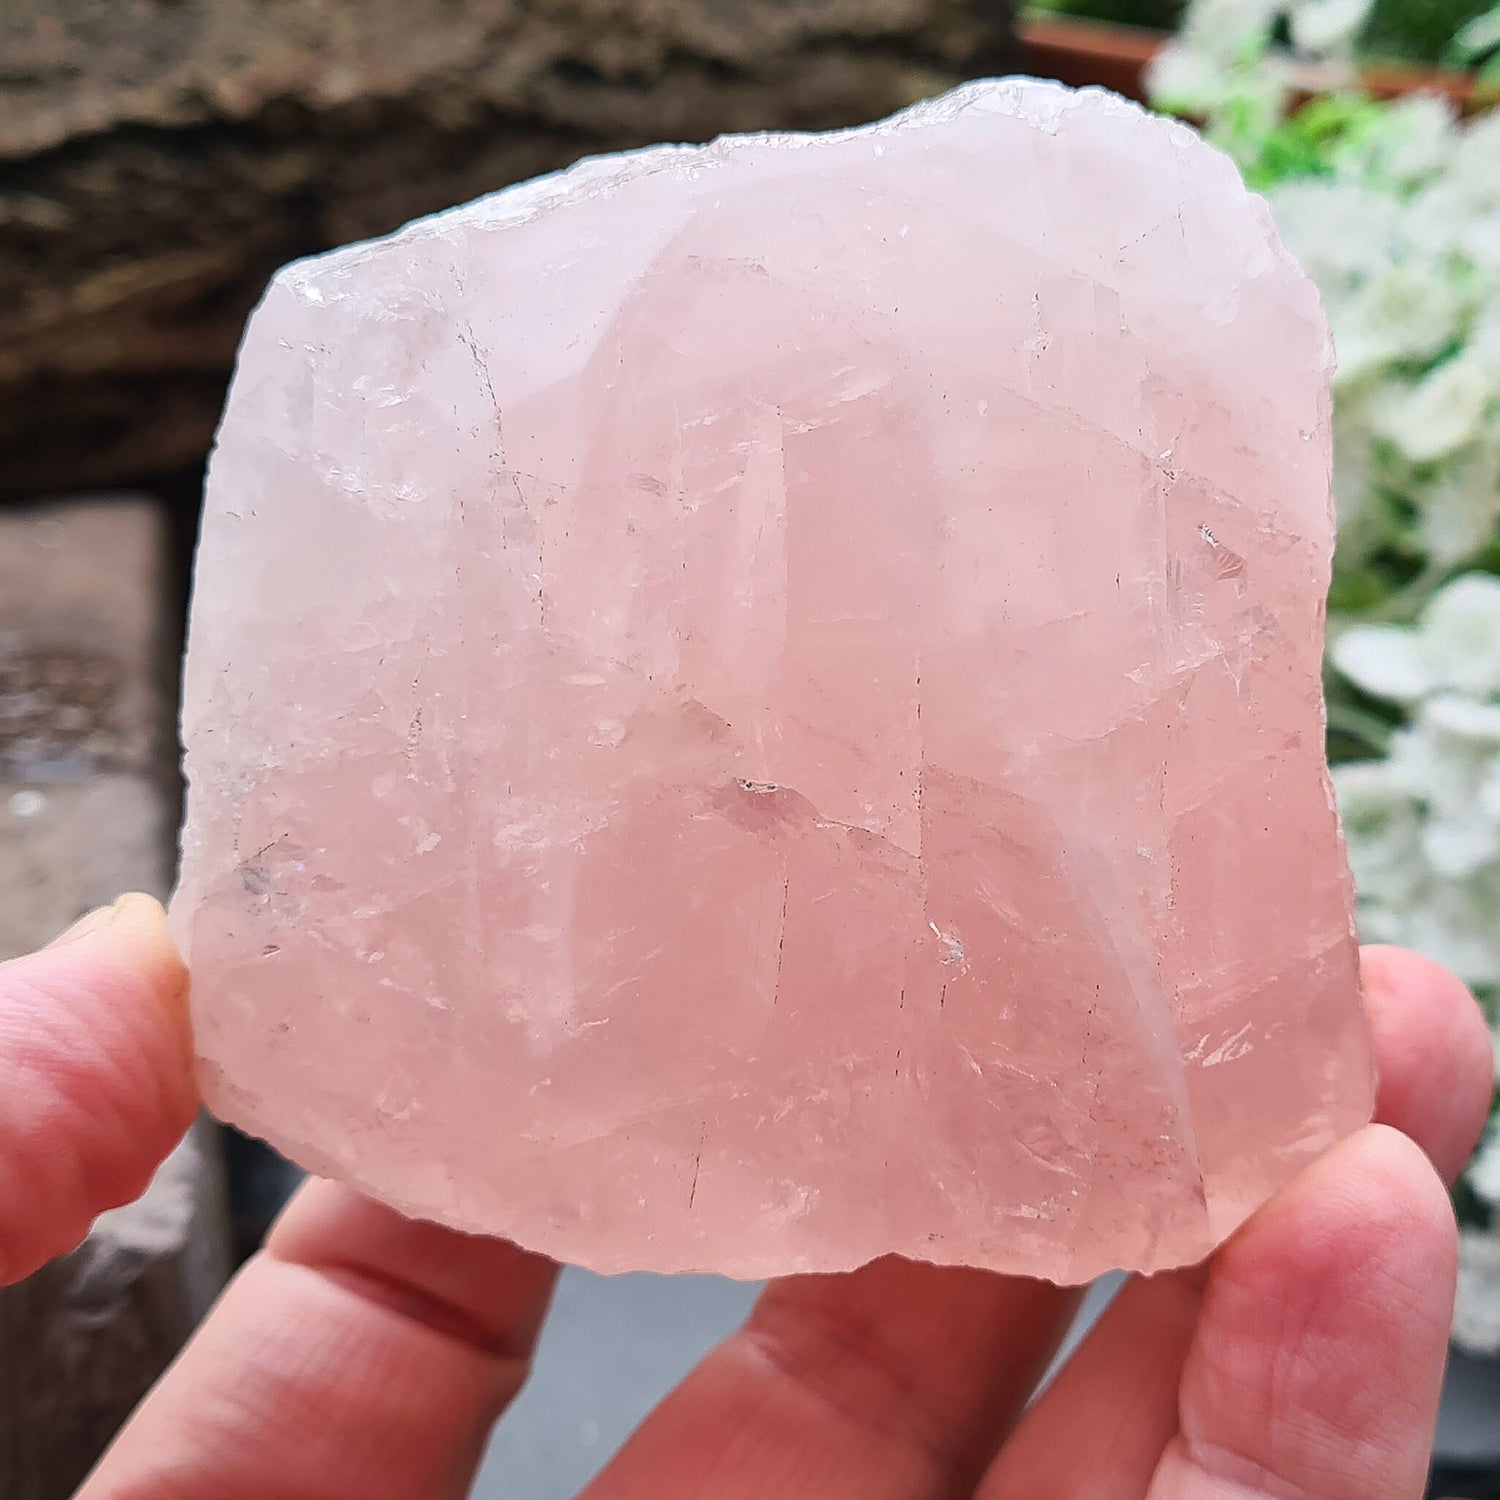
(759, 705)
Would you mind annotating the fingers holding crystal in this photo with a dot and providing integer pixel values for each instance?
(478, 1291)
(1099, 1429)
(1318, 1357)
(1371, 1223)
(358, 1353)
(896, 1380)
(1433, 1054)
(95, 1077)
(1101, 1426)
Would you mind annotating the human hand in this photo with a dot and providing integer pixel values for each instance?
(361, 1353)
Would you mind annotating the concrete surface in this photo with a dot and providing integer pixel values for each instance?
(612, 1348)
(1468, 1432)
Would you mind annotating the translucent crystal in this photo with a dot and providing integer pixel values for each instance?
(755, 706)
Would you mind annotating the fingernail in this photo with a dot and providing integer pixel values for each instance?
(87, 924)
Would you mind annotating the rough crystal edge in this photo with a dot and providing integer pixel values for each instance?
(558, 1243)
(1040, 102)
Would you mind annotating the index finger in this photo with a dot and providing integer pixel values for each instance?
(96, 1082)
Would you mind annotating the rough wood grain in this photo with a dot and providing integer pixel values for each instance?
(158, 159)
(87, 808)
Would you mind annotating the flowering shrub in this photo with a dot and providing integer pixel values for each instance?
(1423, 824)
(1414, 30)
(1394, 210)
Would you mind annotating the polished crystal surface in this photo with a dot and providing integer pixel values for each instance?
(754, 706)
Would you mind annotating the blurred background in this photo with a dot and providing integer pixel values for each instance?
(160, 158)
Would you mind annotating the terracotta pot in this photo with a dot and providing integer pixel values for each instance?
(1081, 52)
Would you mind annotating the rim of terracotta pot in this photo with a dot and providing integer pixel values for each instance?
(1079, 52)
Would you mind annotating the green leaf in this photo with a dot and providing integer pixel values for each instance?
(1355, 733)
(1355, 592)
(1475, 40)
(1487, 82)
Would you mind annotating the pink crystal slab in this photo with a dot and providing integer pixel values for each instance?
(755, 706)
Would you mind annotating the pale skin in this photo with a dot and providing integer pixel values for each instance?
(361, 1354)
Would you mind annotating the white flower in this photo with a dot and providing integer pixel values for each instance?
(1439, 413)
(1478, 241)
(1201, 69)
(1423, 823)
(1454, 217)
(1473, 165)
(1403, 311)
(1355, 466)
(1456, 645)
(1444, 775)
(1323, 26)
(1413, 139)
(1459, 510)
(1383, 830)
(1386, 661)
(1461, 630)
(1484, 337)
(1186, 80)
(1222, 28)
(1455, 926)
(1484, 1170)
(1343, 232)
(1455, 847)
(1428, 768)
(1464, 720)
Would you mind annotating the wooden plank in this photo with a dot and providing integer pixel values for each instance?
(87, 809)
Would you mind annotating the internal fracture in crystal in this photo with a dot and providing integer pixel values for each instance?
(759, 705)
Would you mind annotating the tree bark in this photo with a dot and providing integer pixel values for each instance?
(159, 159)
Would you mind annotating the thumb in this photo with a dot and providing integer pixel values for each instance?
(1318, 1358)
(96, 1082)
